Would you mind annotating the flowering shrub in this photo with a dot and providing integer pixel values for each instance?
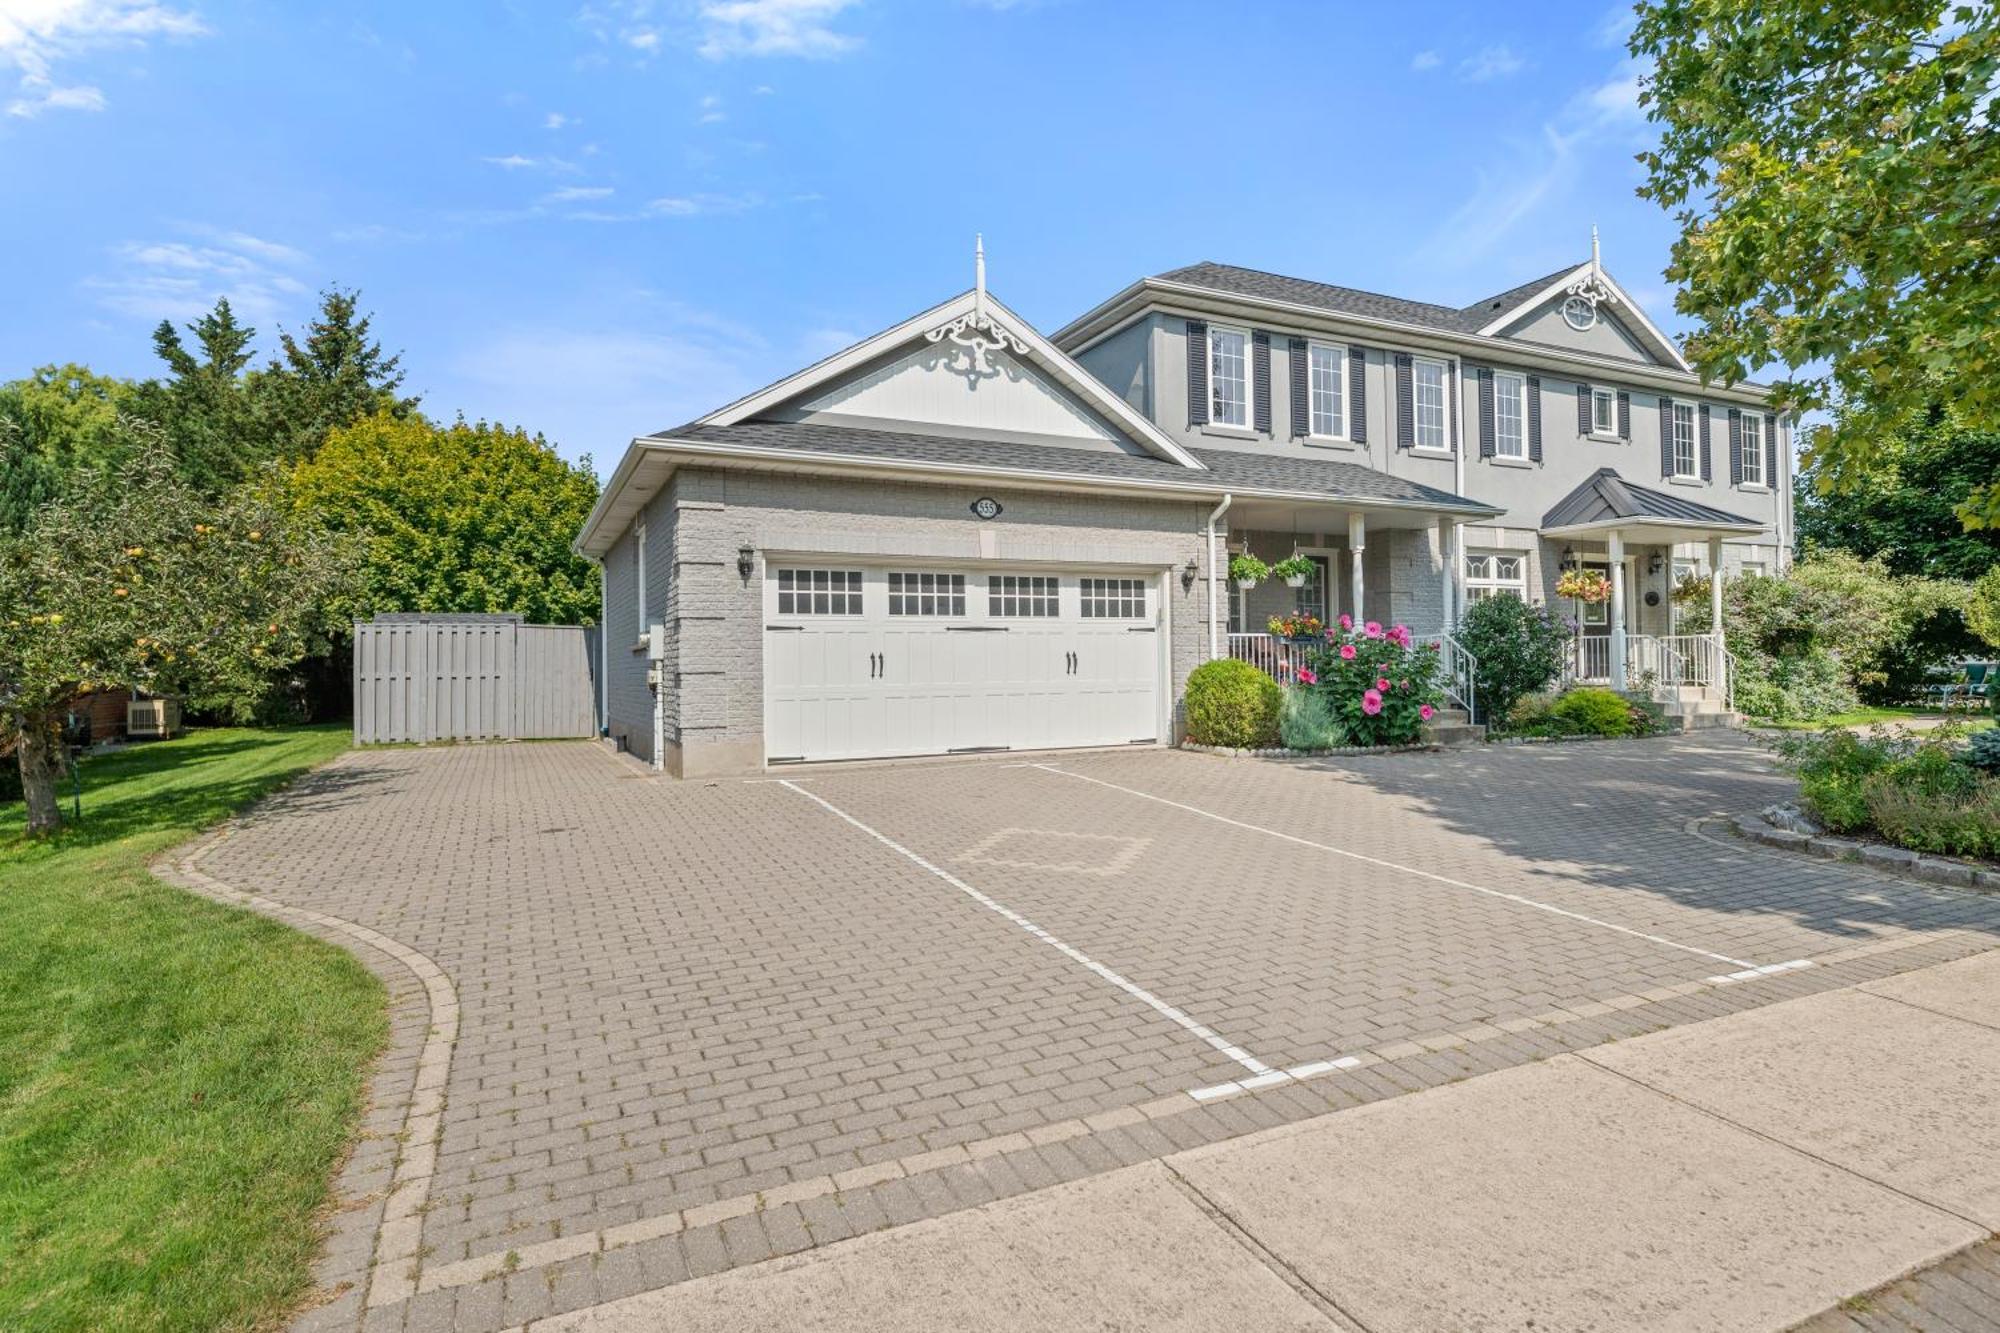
(1381, 685)
(1299, 626)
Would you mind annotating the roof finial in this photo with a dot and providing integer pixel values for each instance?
(979, 272)
(1596, 263)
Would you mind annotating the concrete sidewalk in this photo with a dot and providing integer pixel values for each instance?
(1745, 1173)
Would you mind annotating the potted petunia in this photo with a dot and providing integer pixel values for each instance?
(1300, 628)
(1294, 570)
(1247, 571)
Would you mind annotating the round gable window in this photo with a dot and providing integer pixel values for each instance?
(1580, 313)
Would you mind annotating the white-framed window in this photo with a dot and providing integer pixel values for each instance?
(1491, 573)
(1228, 376)
(1603, 411)
(1326, 384)
(639, 574)
(1113, 599)
(1750, 569)
(926, 594)
(1686, 462)
(1430, 408)
(819, 592)
(1510, 414)
(1015, 596)
(1753, 449)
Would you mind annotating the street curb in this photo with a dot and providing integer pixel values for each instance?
(1894, 860)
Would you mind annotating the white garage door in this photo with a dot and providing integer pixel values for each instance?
(909, 659)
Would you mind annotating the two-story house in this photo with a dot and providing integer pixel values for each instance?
(959, 535)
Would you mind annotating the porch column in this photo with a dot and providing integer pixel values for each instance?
(1715, 589)
(1616, 541)
(1357, 541)
(1447, 554)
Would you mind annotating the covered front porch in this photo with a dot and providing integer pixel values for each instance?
(1639, 639)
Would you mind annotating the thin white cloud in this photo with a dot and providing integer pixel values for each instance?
(710, 111)
(37, 37)
(1491, 62)
(556, 120)
(577, 193)
(774, 28)
(522, 162)
(1424, 60)
(646, 40)
(179, 280)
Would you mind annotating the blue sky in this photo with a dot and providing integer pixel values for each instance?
(605, 218)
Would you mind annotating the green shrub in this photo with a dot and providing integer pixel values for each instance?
(1983, 750)
(1530, 712)
(1232, 703)
(1962, 822)
(1594, 712)
(1832, 766)
(1306, 721)
(1519, 648)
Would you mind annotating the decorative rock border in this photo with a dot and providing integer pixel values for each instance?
(1761, 827)
(1580, 740)
(1279, 752)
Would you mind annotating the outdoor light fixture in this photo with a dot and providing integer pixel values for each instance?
(1188, 572)
(745, 560)
(1653, 565)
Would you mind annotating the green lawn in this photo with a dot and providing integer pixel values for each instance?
(1863, 717)
(178, 1079)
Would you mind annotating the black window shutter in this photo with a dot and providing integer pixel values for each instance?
(1624, 415)
(1197, 359)
(1534, 418)
(1260, 381)
(1666, 436)
(1406, 427)
(1735, 447)
(1357, 394)
(1583, 409)
(1771, 452)
(1301, 391)
(1454, 401)
(1701, 414)
(1485, 412)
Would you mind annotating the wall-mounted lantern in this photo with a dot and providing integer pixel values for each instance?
(746, 560)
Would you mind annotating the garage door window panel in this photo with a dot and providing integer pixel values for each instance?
(1021, 596)
(819, 592)
(926, 594)
(1114, 599)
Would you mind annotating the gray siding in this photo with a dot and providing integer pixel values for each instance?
(1124, 363)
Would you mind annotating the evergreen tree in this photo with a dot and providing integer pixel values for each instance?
(333, 377)
(214, 424)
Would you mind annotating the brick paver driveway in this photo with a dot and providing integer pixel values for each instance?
(704, 1023)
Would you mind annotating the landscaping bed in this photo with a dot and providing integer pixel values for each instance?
(179, 1080)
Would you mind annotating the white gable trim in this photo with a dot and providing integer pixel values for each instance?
(1659, 342)
(1042, 355)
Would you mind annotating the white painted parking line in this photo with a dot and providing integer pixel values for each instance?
(1136, 991)
(1296, 1074)
(1748, 969)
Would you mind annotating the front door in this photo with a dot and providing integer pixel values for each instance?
(1593, 620)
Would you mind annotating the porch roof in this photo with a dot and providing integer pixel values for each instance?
(1606, 502)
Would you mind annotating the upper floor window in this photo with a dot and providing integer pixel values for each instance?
(1326, 378)
(1510, 414)
(1753, 449)
(1686, 463)
(1428, 403)
(1603, 411)
(1228, 376)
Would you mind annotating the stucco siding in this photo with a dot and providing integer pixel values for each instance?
(1124, 363)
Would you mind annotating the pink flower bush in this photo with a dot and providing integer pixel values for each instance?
(1380, 685)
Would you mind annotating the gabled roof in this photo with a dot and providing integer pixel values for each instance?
(1607, 500)
(1530, 298)
(971, 306)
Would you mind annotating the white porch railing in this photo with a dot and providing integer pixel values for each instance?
(1275, 657)
(1458, 672)
(1661, 664)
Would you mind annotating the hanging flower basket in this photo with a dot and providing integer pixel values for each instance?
(1248, 571)
(1583, 585)
(1294, 570)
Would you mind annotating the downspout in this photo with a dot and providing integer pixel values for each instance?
(1214, 647)
(603, 649)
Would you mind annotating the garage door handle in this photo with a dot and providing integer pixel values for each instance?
(976, 629)
(1141, 629)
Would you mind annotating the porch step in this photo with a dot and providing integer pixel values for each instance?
(1449, 731)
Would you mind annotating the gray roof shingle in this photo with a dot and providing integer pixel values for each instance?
(1229, 469)
(1606, 497)
(1351, 301)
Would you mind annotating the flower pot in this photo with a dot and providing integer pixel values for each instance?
(1305, 640)
(1245, 585)
(1295, 580)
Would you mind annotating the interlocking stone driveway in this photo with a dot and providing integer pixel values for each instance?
(704, 1023)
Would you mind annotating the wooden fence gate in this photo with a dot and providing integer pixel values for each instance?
(440, 678)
